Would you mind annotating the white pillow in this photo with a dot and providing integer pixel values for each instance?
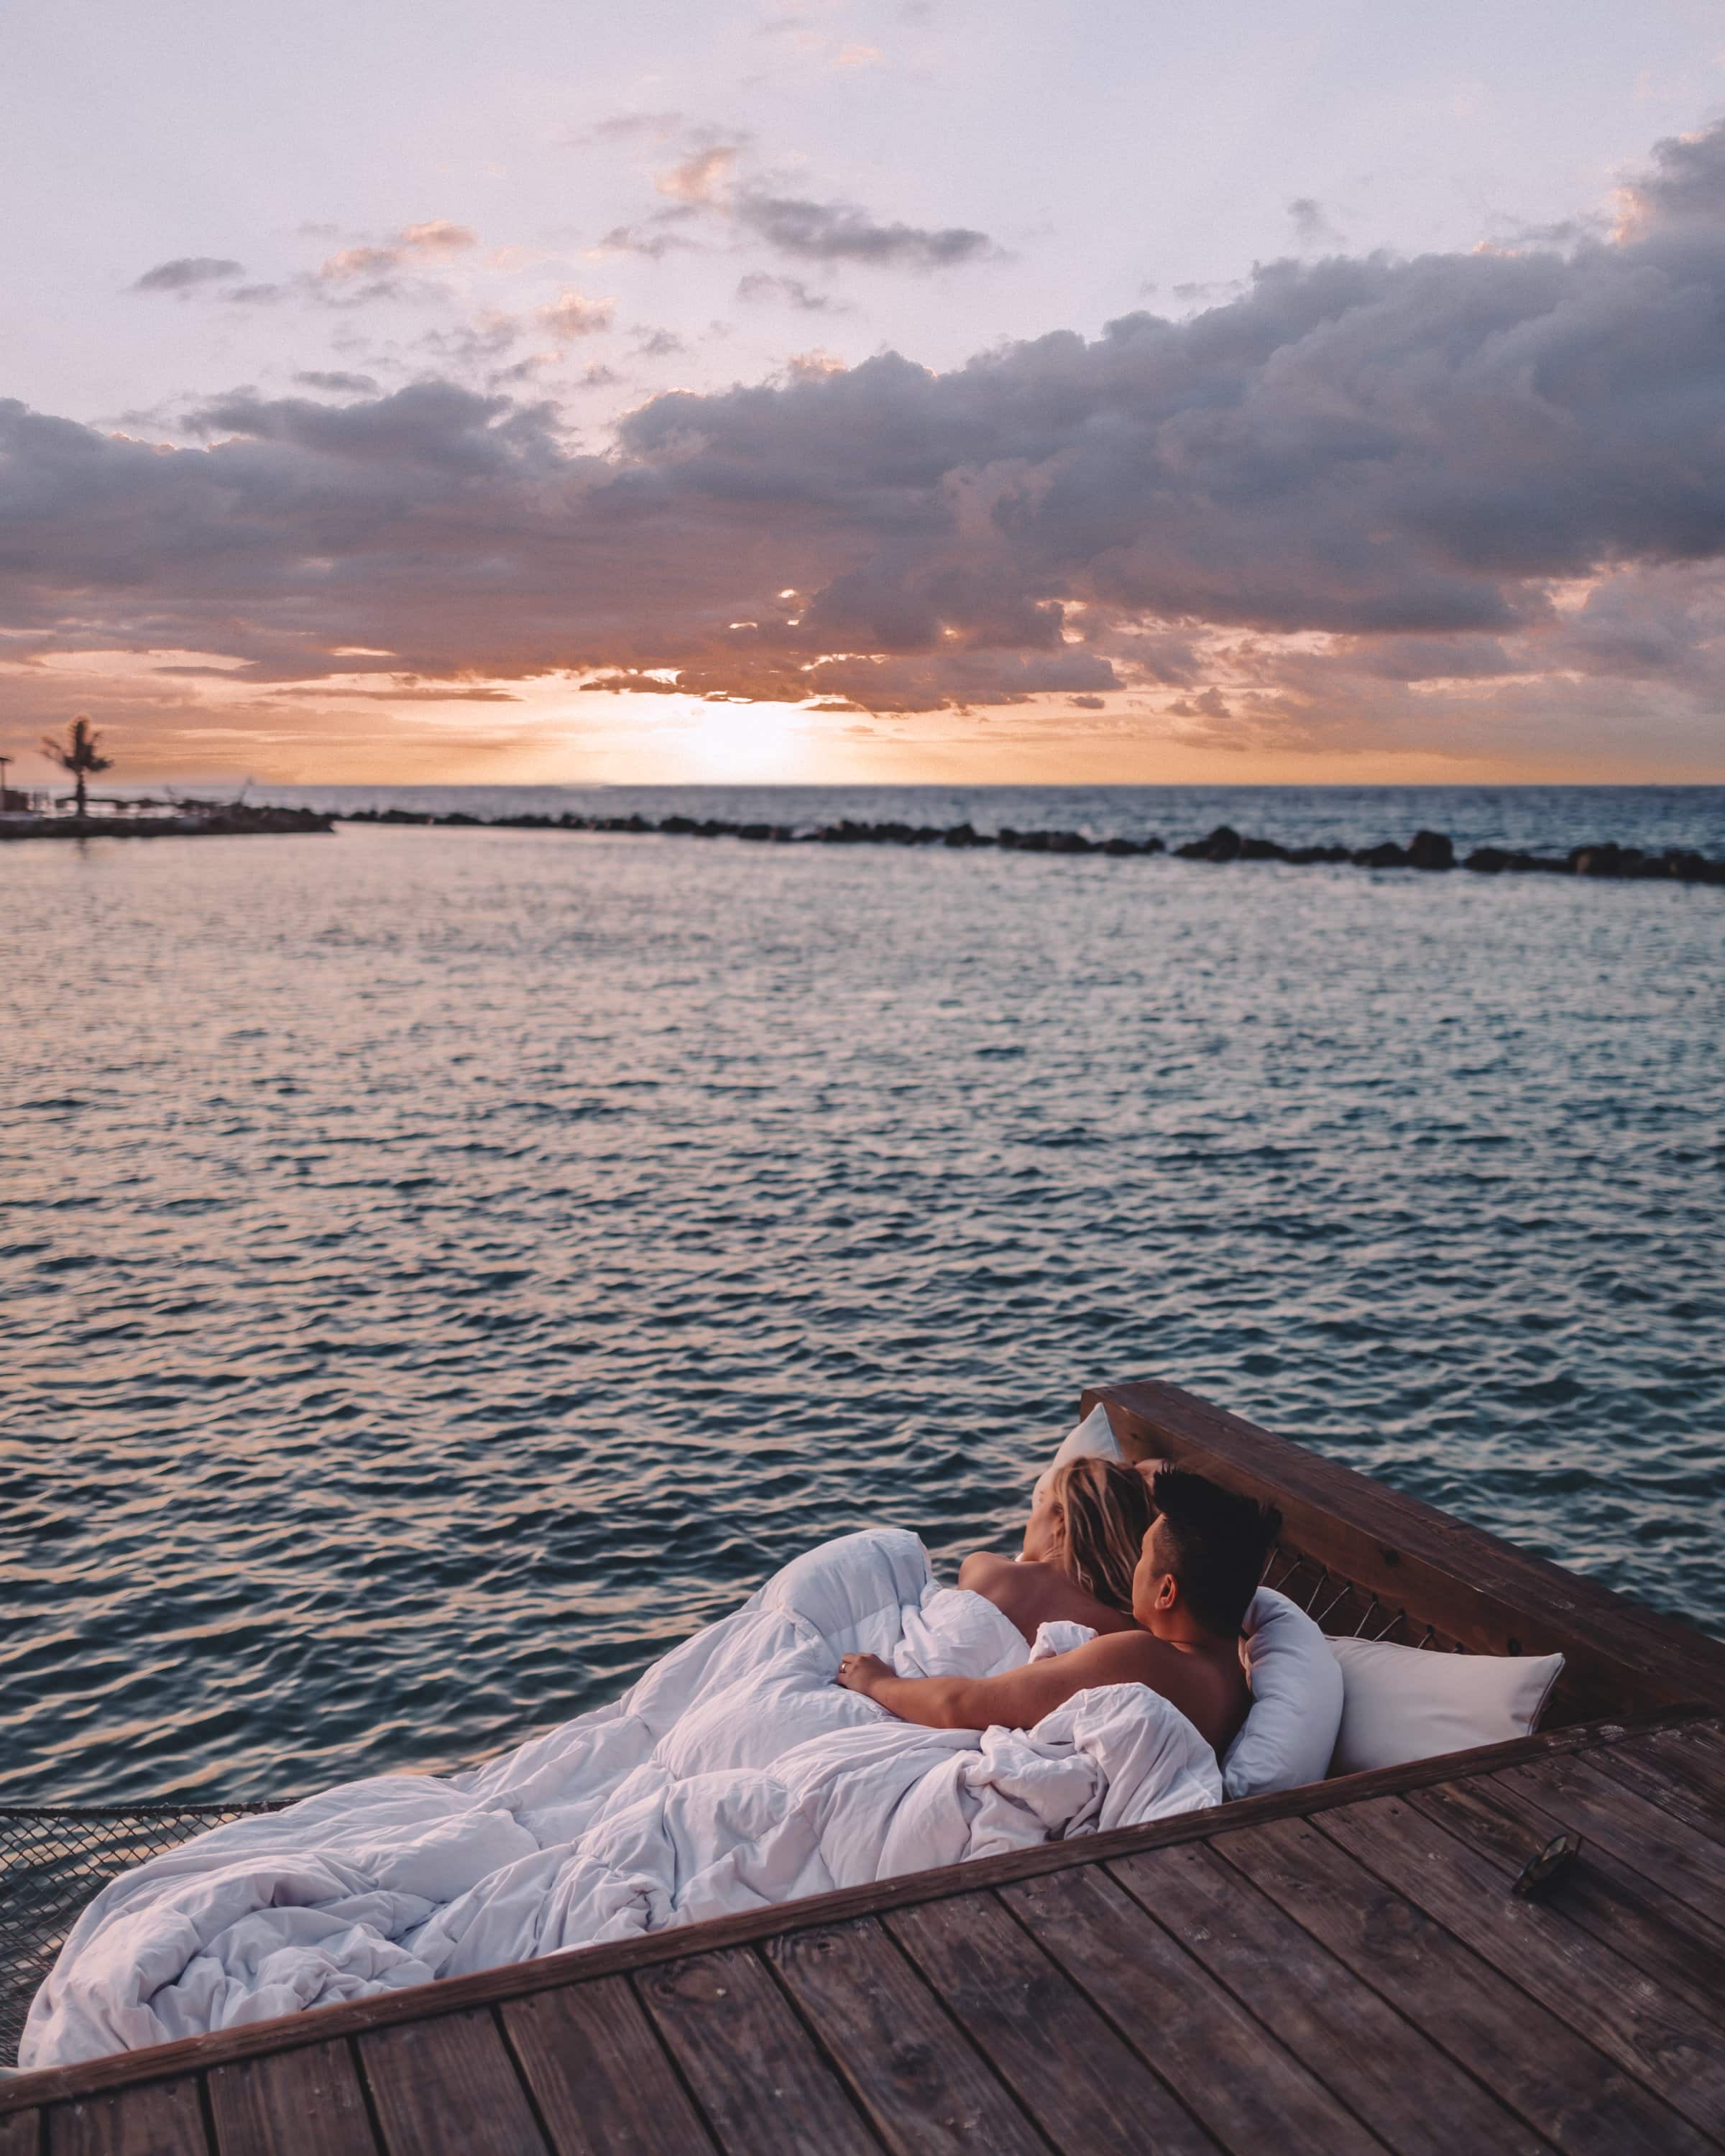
(1289, 1732)
(1093, 1439)
(1406, 1703)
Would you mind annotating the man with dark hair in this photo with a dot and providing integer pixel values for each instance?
(1201, 1560)
(1211, 1546)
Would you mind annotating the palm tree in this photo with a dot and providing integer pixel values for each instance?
(81, 754)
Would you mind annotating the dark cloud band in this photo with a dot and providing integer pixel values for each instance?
(1462, 468)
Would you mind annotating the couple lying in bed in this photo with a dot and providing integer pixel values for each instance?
(1160, 1564)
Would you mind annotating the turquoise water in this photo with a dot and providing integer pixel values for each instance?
(437, 1269)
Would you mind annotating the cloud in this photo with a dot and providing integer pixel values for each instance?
(188, 273)
(572, 314)
(758, 288)
(1683, 184)
(704, 177)
(708, 181)
(352, 276)
(435, 240)
(655, 240)
(1367, 500)
(484, 342)
(1312, 229)
(336, 383)
(437, 236)
(841, 231)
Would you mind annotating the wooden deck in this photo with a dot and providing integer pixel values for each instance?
(1338, 1969)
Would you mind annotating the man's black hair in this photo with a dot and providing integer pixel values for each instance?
(1215, 1544)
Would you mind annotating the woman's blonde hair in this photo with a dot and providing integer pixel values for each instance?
(1103, 1512)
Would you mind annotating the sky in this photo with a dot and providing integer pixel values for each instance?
(1308, 392)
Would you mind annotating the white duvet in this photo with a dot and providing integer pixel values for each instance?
(735, 1774)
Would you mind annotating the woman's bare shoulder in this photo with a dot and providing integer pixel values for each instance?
(987, 1564)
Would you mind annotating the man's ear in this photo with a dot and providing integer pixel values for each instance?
(1167, 1591)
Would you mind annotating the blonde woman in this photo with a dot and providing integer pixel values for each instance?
(1086, 1527)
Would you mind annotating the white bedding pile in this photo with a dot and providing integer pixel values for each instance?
(735, 1774)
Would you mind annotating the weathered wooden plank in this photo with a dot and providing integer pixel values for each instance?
(1710, 1741)
(1242, 2087)
(599, 2075)
(1483, 1591)
(919, 2082)
(1047, 2042)
(303, 2103)
(1650, 2033)
(448, 2087)
(755, 2069)
(1412, 2094)
(520, 1979)
(1537, 2065)
(1621, 1906)
(161, 2118)
(1639, 1829)
(1681, 1782)
(21, 2134)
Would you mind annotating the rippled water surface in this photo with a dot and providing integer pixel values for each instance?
(437, 1269)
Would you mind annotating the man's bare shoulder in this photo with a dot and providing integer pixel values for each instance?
(1133, 1653)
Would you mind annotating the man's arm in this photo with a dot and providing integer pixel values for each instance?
(1017, 1700)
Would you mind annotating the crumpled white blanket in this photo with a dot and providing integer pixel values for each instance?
(736, 1774)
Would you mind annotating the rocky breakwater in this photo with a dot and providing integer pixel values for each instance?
(1435, 851)
(230, 821)
(1427, 851)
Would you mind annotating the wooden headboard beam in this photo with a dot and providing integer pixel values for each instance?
(1492, 1597)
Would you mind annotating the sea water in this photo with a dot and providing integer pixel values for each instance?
(440, 1269)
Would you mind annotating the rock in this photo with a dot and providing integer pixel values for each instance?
(1431, 849)
(1223, 845)
(1494, 860)
(1389, 855)
(1261, 849)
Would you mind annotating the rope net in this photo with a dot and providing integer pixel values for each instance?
(54, 1860)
